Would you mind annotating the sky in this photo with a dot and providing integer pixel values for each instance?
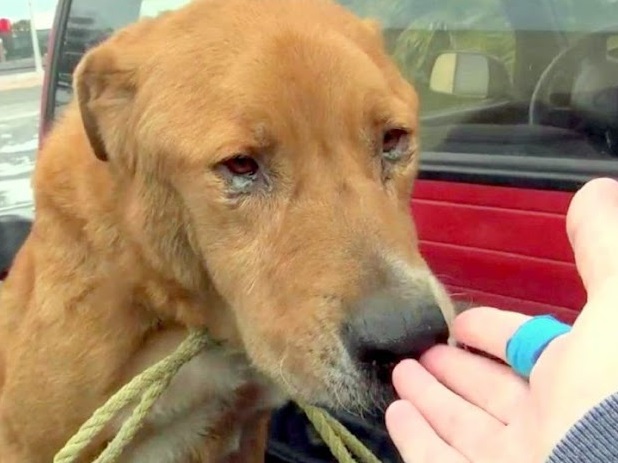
(18, 9)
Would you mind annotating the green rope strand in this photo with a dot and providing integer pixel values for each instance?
(148, 386)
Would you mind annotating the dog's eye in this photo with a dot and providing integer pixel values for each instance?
(242, 174)
(242, 165)
(395, 144)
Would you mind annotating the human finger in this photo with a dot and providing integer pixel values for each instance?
(458, 422)
(489, 385)
(592, 227)
(487, 329)
(414, 438)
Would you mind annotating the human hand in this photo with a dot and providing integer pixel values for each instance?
(460, 407)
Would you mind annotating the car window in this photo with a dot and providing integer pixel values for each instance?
(508, 88)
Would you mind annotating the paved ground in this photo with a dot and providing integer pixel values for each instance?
(19, 126)
(18, 65)
(17, 80)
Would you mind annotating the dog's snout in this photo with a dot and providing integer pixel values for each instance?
(384, 329)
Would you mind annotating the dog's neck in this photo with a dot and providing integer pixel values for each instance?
(216, 397)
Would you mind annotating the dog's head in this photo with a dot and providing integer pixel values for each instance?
(267, 149)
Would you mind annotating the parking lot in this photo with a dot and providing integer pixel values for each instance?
(19, 125)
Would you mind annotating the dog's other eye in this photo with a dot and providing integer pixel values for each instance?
(242, 165)
(395, 145)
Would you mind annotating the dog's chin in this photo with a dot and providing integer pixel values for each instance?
(367, 392)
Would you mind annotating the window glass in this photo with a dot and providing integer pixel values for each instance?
(508, 77)
(576, 17)
(417, 31)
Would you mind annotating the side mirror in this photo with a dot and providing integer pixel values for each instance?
(469, 75)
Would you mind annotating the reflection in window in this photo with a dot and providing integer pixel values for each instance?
(417, 31)
(508, 77)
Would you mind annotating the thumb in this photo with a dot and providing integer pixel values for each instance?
(592, 227)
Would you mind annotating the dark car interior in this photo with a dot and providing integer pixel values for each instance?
(13, 232)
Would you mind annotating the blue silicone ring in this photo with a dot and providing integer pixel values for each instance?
(530, 340)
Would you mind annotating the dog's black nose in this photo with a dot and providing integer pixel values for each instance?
(384, 329)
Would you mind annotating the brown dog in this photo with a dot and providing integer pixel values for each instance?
(240, 165)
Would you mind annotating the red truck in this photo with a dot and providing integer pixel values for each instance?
(519, 109)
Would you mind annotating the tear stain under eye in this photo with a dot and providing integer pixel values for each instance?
(398, 152)
(242, 183)
(245, 184)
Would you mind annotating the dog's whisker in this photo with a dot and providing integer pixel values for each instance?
(282, 375)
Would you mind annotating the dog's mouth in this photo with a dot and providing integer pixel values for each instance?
(383, 370)
(357, 384)
(366, 393)
(378, 374)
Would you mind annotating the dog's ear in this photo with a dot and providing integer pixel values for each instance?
(105, 90)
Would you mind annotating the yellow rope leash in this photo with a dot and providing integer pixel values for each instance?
(148, 386)
(337, 437)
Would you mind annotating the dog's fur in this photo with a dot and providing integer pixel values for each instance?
(139, 234)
